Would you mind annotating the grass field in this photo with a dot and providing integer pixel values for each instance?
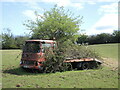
(107, 50)
(15, 77)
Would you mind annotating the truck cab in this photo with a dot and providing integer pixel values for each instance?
(33, 53)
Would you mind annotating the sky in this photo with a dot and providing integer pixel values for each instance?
(99, 16)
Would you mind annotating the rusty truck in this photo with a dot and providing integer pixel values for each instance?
(33, 56)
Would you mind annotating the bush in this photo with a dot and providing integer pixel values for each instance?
(78, 52)
(55, 61)
(55, 58)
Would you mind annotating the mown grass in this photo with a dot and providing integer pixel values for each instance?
(107, 50)
(14, 76)
(69, 79)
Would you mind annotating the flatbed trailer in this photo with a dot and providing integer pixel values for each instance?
(84, 63)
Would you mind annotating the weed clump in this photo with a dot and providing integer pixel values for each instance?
(55, 61)
(78, 52)
(55, 58)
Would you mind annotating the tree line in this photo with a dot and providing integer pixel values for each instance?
(9, 41)
(102, 38)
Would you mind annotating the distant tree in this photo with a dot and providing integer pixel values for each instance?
(20, 40)
(92, 39)
(100, 38)
(103, 38)
(8, 39)
(116, 36)
(0, 41)
(82, 39)
(55, 24)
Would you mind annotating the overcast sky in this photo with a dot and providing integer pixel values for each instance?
(99, 16)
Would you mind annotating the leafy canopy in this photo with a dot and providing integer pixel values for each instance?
(55, 24)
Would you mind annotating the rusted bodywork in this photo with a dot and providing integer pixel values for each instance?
(81, 60)
(84, 63)
(33, 53)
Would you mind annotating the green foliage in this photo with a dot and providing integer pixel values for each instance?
(116, 36)
(55, 61)
(100, 38)
(82, 39)
(78, 52)
(55, 24)
(20, 40)
(9, 41)
(55, 58)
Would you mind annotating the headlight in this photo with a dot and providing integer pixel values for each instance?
(20, 62)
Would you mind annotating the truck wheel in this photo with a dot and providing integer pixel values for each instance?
(97, 65)
(85, 66)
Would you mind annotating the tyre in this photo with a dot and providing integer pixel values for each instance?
(85, 66)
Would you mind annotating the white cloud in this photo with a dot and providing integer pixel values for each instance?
(77, 5)
(34, 5)
(107, 0)
(60, 1)
(91, 2)
(106, 24)
(65, 3)
(111, 8)
(109, 20)
(30, 14)
(17, 0)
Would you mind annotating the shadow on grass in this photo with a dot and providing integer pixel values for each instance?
(21, 71)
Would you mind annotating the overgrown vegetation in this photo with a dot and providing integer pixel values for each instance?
(55, 58)
(75, 51)
(57, 23)
(55, 61)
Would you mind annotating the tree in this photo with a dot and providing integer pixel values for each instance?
(116, 36)
(103, 38)
(82, 39)
(55, 24)
(92, 39)
(8, 39)
(20, 40)
(100, 38)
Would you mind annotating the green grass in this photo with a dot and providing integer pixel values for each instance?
(106, 50)
(13, 75)
(69, 79)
